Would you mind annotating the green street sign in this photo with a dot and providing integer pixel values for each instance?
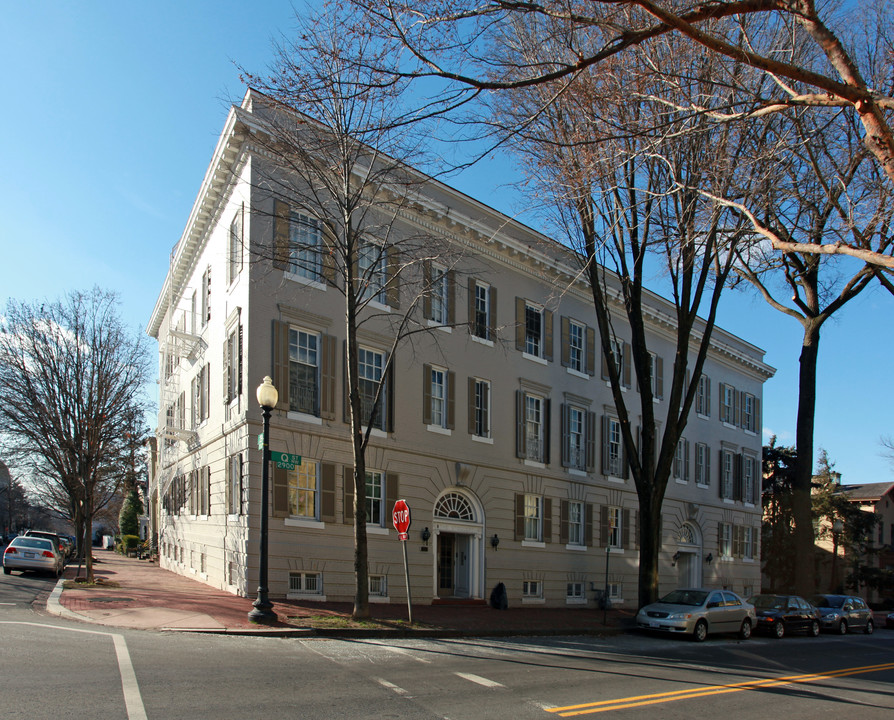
(285, 461)
(260, 441)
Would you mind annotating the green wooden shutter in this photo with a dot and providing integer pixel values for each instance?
(327, 492)
(519, 516)
(564, 509)
(348, 493)
(280, 492)
(547, 520)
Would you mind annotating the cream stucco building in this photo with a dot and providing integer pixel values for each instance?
(498, 427)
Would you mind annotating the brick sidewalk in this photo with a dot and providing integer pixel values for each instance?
(149, 597)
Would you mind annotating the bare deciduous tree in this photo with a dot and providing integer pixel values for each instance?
(849, 66)
(72, 379)
(342, 166)
(631, 193)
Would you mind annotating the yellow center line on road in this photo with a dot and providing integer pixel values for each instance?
(696, 692)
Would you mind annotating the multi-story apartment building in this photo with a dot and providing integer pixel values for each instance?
(497, 427)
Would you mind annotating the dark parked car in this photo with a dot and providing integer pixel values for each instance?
(54, 537)
(840, 613)
(889, 621)
(781, 614)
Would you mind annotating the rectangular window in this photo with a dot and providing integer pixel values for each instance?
(372, 264)
(577, 451)
(532, 589)
(614, 591)
(304, 376)
(749, 475)
(727, 474)
(481, 322)
(374, 497)
(703, 396)
(576, 523)
(234, 484)
(574, 591)
(533, 330)
(481, 412)
(370, 364)
(204, 482)
(749, 421)
(438, 388)
(656, 376)
(200, 388)
(305, 247)
(748, 543)
(234, 259)
(306, 583)
(438, 294)
(304, 490)
(702, 464)
(728, 404)
(681, 461)
(726, 540)
(533, 518)
(612, 445)
(577, 347)
(234, 364)
(615, 530)
(206, 296)
(378, 586)
(534, 445)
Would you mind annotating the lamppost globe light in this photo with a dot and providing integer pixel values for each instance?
(267, 393)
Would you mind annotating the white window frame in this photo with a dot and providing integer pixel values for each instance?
(726, 540)
(615, 518)
(576, 530)
(727, 475)
(375, 498)
(299, 485)
(702, 464)
(234, 363)
(378, 586)
(577, 346)
(438, 389)
(481, 411)
(533, 518)
(234, 256)
(372, 272)
(748, 478)
(748, 416)
(748, 543)
(305, 247)
(703, 396)
(481, 323)
(615, 447)
(575, 593)
(306, 583)
(234, 484)
(439, 295)
(729, 404)
(304, 351)
(577, 438)
(532, 589)
(535, 330)
(371, 368)
(535, 441)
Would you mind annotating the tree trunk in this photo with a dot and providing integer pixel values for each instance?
(804, 541)
(649, 548)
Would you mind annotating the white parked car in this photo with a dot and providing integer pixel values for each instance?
(32, 553)
(698, 612)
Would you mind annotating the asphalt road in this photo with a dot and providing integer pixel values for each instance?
(59, 669)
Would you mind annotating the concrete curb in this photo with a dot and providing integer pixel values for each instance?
(55, 607)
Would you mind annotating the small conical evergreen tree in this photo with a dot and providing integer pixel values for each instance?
(129, 517)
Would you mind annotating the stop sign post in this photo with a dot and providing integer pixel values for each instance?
(400, 516)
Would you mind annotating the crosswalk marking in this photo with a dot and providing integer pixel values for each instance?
(479, 680)
(391, 686)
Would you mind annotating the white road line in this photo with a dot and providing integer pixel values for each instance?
(400, 651)
(391, 686)
(479, 680)
(133, 701)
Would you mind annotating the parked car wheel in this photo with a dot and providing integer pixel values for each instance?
(815, 628)
(7, 571)
(842, 627)
(778, 630)
(745, 630)
(870, 627)
(700, 632)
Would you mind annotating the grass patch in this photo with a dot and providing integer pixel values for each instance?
(79, 584)
(343, 622)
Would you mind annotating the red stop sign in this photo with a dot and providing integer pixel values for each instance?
(401, 518)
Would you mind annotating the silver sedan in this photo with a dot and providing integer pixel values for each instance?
(32, 553)
(698, 612)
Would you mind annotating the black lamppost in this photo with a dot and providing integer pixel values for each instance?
(837, 528)
(263, 608)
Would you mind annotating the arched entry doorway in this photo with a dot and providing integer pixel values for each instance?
(689, 556)
(458, 558)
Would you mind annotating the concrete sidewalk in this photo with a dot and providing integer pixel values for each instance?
(141, 595)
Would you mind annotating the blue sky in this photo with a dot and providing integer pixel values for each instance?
(112, 111)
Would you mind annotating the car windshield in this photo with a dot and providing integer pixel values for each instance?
(684, 597)
(768, 602)
(833, 601)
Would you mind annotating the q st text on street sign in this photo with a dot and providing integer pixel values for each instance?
(285, 461)
(401, 519)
